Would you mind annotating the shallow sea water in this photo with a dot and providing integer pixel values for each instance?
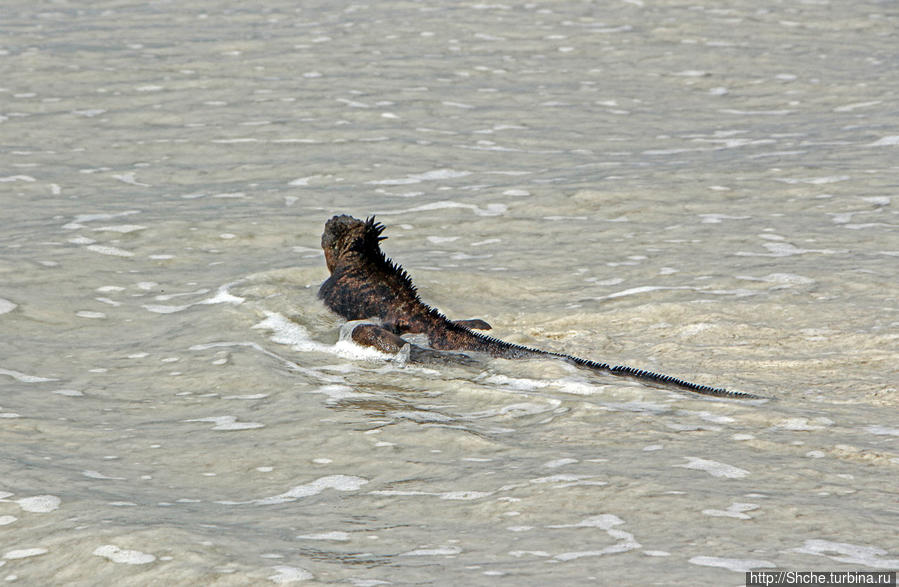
(704, 190)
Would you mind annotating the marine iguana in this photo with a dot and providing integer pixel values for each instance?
(365, 284)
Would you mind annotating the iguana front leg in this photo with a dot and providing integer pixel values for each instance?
(389, 342)
(378, 337)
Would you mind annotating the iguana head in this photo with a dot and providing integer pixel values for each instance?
(345, 236)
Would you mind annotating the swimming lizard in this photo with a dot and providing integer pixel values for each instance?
(365, 284)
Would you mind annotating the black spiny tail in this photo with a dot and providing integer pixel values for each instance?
(657, 378)
(503, 349)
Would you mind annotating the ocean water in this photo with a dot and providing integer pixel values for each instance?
(705, 190)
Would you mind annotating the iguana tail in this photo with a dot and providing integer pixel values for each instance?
(656, 378)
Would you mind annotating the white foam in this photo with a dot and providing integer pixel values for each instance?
(24, 553)
(127, 557)
(602, 521)
(787, 279)
(130, 179)
(223, 296)
(337, 482)
(710, 417)
(337, 392)
(120, 228)
(521, 553)
(39, 504)
(576, 386)
(89, 112)
(24, 378)
(624, 540)
(80, 218)
(81, 240)
(878, 200)
(367, 582)
(517, 383)
(6, 520)
(7, 306)
(558, 478)
(463, 105)
(803, 424)
(562, 481)
(165, 309)
(738, 565)
(90, 474)
(290, 333)
(109, 301)
(227, 423)
(639, 290)
(559, 463)
(11, 178)
(335, 536)
(433, 175)
(441, 551)
(714, 468)
(717, 218)
(842, 552)
(439, 240)
(855, 105)
(304, 181)
(90, 314)
(779, 249)
(734, 510)
(882, 430)
(286, 574)
(108, 250)
(890, 141)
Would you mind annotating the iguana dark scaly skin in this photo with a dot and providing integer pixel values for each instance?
(365, 284)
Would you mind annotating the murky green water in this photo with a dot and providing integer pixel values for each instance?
(704, 190)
